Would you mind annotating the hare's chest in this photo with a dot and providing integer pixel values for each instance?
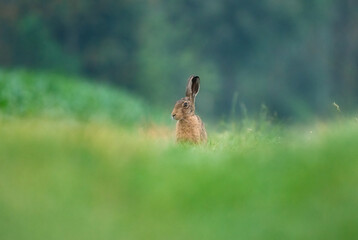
(188, 130)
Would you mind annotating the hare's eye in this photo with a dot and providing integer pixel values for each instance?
(185, 104)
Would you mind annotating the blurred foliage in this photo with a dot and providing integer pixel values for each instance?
(26, 94)
(296, 56)
(69, 180)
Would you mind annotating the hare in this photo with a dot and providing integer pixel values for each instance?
(189, 127)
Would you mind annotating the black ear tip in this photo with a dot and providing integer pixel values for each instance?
(195, 78)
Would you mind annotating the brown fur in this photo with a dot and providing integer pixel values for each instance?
(189, 127)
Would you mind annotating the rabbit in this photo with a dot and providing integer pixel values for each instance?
(189, 126)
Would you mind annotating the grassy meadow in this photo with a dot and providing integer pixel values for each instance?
(84, 161)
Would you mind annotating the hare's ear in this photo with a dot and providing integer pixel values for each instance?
(193, 87)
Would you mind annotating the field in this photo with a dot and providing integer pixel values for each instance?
(68, 174)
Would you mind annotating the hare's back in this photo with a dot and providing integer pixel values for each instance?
(203, 134)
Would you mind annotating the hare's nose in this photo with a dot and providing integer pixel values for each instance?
(173, 115)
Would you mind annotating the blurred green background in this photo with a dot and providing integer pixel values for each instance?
(87, 149)
(297, 56)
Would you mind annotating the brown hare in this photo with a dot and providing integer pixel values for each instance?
(189, 127)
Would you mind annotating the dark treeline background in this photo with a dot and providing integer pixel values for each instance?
(295, 56)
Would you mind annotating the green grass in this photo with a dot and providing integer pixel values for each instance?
(26, 93)
(65, 175)
(73, 180)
